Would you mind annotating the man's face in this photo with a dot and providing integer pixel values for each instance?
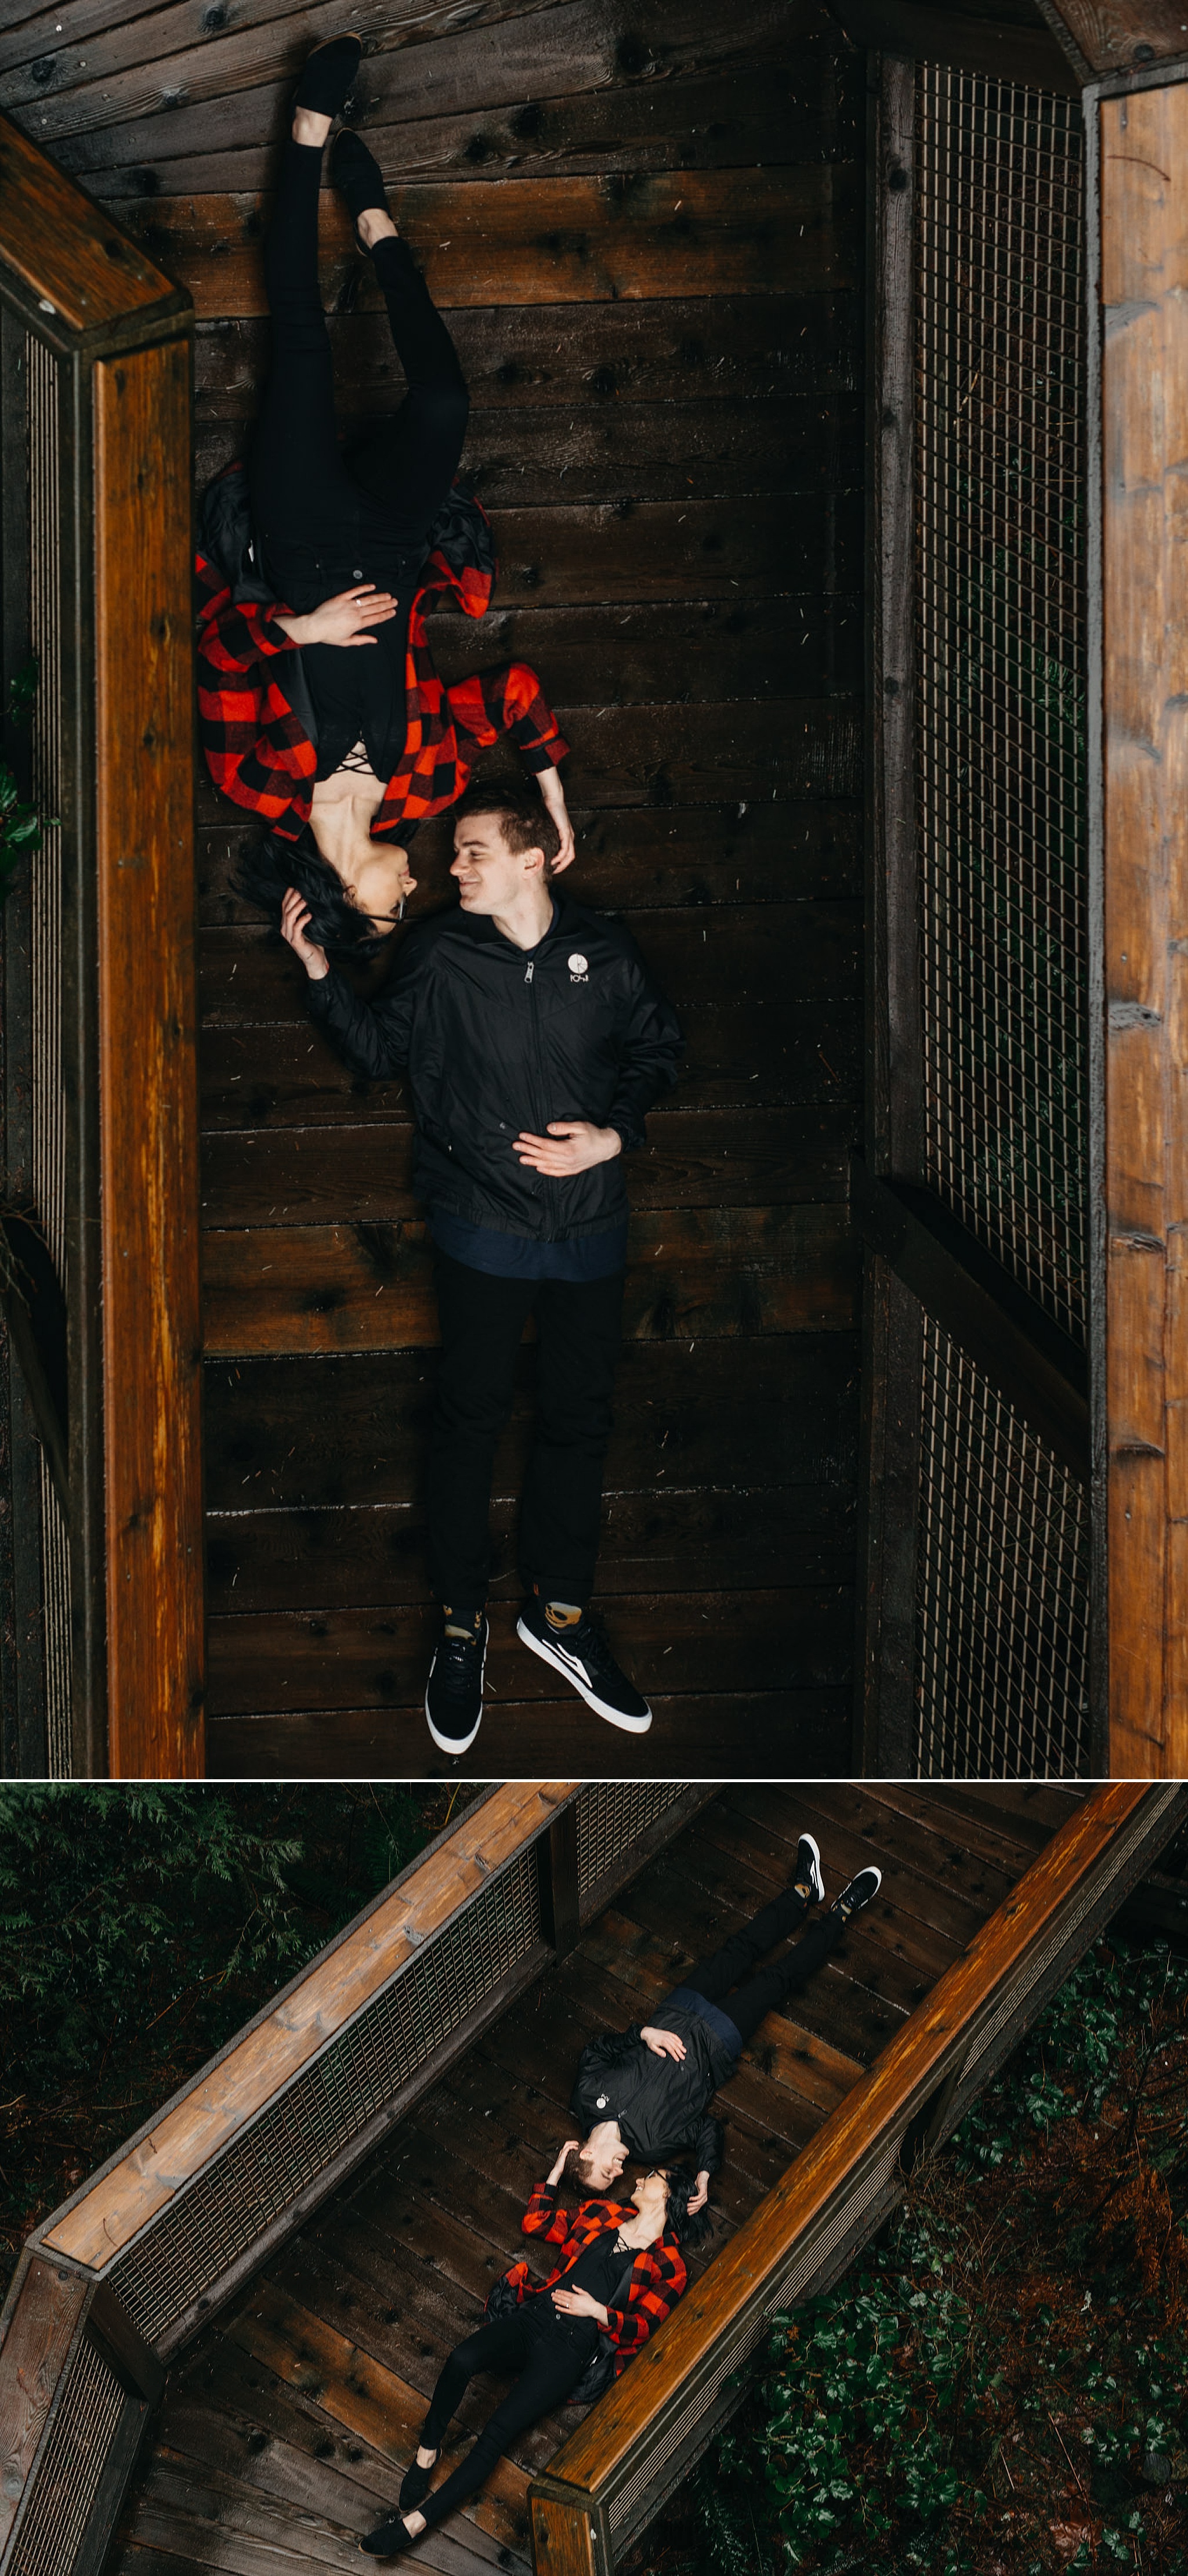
(489, 875)
(603, 2156)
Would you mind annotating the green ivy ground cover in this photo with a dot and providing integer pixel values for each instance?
(999, 2386)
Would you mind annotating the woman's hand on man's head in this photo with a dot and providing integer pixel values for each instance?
(345, 619)
(570, 2148)
(294, 922)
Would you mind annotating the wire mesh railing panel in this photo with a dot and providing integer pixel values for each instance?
(610, 1815)
(1001, 658)
(1002, 1627)
(55, 1644)
(210, 2225)
(85, 2425)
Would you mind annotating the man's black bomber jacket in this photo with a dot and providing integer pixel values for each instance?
(496, 1041)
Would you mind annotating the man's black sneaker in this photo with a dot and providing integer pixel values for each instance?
(581, 1654)
(807, 1873)
(454, 1693)
(859, 1893)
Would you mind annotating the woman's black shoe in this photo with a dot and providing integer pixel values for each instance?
(329, 76)
(357, 175)
(389, 2538)
(416, 2485)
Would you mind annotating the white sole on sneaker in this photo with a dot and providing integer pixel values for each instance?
(456, 1743)
(818, 1883)
(569, 1667)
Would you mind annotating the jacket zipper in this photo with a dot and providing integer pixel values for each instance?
(529, 978)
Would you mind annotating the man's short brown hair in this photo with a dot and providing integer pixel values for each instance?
(520, 811)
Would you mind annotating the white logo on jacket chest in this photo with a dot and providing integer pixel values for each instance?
(579, 968)
(601, 2103)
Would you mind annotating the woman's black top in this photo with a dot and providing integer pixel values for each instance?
(600, 2269)
(359, 693)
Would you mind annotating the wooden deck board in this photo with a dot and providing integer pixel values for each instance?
(285, 2432)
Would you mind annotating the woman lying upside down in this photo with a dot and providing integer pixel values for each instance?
(619, 2272)
(319, 706)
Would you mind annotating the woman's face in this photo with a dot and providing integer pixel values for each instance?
(651, 2198)
(378, 884)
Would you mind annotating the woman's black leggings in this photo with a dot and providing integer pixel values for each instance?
(549, 2360)
(720, 1977)
(318, 514)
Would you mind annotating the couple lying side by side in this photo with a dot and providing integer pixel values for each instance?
(532, 1036)
(644, 2093)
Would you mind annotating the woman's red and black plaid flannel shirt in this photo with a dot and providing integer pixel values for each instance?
(658, 2274)
(259, 753)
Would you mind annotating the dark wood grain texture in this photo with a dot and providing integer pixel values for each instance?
(645, 226)
(148, 1100)
(1144, 272)
(63, 248)
(37, 2339)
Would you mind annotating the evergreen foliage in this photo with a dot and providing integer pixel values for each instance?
(140, 1926)
(22, 829)
(1000, 2388)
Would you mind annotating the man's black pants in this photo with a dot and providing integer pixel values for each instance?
(727, 1968)
(578, 1332)
(549, 2359)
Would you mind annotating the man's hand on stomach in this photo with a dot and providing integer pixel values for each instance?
(571, 1145)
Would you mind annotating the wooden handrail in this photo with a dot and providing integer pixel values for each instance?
(874, 2114)
(202, 2119)
(95, 434)
(67, 249)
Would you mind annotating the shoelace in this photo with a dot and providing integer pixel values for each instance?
(456, 1659)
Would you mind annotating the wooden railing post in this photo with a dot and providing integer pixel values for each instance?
(563, 2532)
(99, 1174)
(560, 1908)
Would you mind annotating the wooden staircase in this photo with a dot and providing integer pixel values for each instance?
(285, 2433)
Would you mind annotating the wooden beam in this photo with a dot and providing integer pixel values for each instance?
(1121, 35)
(1039, 1370)
(202, 2119)
(148, 1064)
(1144, 294)
(542, 241)
(1000, 46)
(67, 250)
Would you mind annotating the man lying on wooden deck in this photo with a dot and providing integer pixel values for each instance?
(645, 2091)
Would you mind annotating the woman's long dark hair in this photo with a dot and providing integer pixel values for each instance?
(271, 865)
(677, 2223)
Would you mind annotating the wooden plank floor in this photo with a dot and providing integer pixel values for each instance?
(646, 227)
(286, 2430)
